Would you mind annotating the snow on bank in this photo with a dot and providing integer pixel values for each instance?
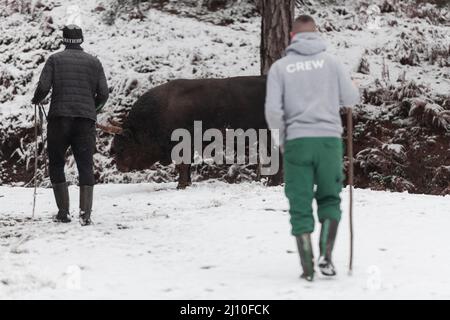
(219, 241)
(406, 66)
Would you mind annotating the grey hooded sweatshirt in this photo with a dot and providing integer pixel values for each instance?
(306, 89)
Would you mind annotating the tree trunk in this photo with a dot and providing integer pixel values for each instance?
(277, 20)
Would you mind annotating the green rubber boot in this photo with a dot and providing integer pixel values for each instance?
(327, 239)
(306, 256)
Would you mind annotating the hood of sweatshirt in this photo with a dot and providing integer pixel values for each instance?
(306, 44)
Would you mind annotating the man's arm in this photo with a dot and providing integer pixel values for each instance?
(274, 108)
(45, 82)
(102, 91)
(348, 93)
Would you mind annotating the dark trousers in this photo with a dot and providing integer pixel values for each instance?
(78, 134)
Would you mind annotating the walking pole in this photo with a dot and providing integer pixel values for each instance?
(42, 114)
(35, 159)
(350, 180)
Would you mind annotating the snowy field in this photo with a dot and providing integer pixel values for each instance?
(216, 241)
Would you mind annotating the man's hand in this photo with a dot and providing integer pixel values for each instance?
(34, 101)
(99, 108)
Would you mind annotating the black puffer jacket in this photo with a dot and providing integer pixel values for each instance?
(78, 82)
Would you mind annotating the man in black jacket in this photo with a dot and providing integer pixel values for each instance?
(79, 91)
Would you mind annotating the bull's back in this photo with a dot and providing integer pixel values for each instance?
(217, 103)
(236, 103)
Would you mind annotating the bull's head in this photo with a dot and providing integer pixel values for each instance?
(132, 149)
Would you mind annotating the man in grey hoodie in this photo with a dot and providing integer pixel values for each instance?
(305, 91)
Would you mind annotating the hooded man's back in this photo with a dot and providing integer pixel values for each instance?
(314, 86)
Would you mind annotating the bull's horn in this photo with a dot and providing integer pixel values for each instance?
(110, 129)
(115, 123)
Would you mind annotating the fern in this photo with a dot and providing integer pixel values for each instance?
(430, 114)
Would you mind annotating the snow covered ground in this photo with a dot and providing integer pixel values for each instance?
(216, 241)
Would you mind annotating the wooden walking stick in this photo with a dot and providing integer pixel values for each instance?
(350, 180)
(43, 115)
(35, 159)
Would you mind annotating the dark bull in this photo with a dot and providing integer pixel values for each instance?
(145, 136)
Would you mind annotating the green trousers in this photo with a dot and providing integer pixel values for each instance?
(309, 162)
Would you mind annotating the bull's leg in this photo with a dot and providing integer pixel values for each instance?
(184, 176)
(278, 178)
(258, 170)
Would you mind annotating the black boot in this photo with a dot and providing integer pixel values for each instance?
(306, 256)
(327, 238)
(61, 192)
(86, 198)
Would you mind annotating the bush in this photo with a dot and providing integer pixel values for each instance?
(439, 3)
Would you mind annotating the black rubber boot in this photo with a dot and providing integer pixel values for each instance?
(327, 238)
(86, 198)
(306, 256)
(61, 192)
